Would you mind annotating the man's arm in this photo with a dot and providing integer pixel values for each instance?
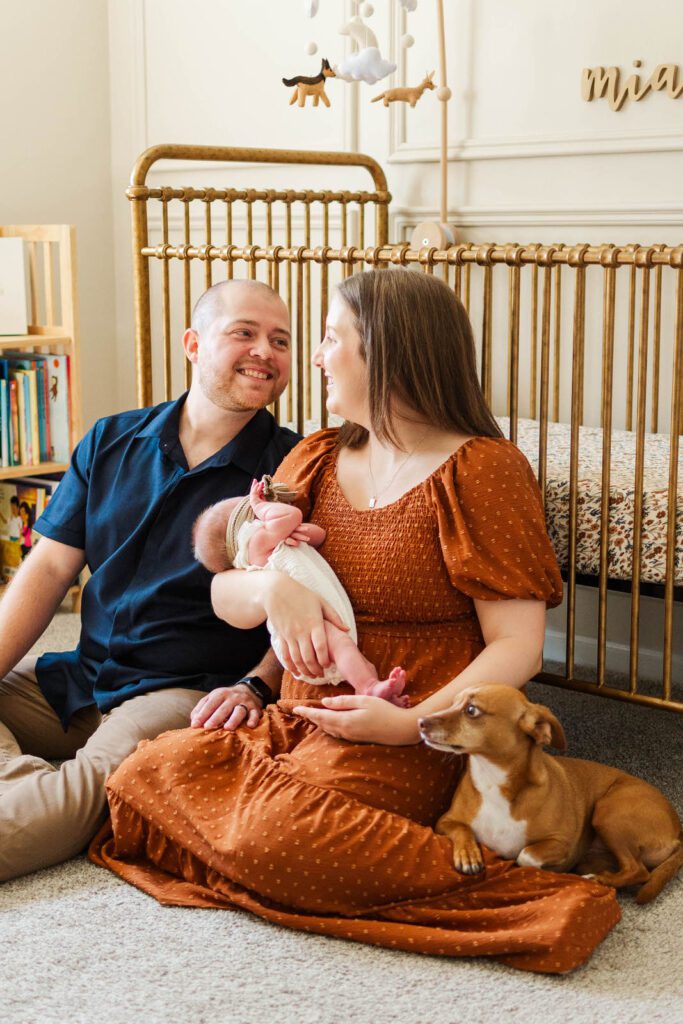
(33, 596)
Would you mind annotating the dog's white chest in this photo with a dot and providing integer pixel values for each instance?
(494, 825)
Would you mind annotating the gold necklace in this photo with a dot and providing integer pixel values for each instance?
(378, 494)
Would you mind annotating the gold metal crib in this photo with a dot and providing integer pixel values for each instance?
(581, 357)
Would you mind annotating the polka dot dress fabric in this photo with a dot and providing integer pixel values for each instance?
(333, 837)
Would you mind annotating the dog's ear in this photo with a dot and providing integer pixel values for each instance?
(540, 723)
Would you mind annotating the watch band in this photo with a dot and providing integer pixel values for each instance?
(258, 688)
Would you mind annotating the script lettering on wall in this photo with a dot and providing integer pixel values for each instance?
(599, 82)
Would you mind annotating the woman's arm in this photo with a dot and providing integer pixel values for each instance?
(513, 632)
(246, 599)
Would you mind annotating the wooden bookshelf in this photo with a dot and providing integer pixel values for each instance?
(35, 342)
(7, 472)
(54, 326)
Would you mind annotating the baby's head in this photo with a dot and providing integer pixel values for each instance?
(214, 534)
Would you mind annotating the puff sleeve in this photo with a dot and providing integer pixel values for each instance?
(491, 524)
(304, 467)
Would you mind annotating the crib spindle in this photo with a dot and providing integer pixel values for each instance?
(578, 346)
(609, 257)
(671, 532)
(166, 305)
(514, 282)
(641, 401)
(545, 256)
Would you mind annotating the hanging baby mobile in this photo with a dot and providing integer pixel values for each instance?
(366, 64)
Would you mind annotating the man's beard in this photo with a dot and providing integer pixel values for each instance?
(231, 397)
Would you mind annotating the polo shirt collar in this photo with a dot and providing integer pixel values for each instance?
(245, 451)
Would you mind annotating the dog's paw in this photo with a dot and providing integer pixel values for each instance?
(468, 859)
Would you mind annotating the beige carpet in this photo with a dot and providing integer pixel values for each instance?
(79, 946)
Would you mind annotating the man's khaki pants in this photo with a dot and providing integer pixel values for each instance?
(48, 813)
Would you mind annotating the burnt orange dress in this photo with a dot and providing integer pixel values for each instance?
(334, 837)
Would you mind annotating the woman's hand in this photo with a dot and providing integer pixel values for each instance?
(364, 720)
(227, 707)
(298, 616)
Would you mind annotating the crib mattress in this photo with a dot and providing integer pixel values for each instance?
(622, 498)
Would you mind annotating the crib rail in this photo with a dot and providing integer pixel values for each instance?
(586, 336)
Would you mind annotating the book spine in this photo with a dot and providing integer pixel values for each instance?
(33, 408)
(40, 393)
(18, 377)
(59, 408)
(4, 422)
(14, 422)
(28, 435)
(46, 408)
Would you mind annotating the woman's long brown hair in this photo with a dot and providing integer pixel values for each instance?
(416, 339)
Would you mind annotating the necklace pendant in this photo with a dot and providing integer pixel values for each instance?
(372, 502)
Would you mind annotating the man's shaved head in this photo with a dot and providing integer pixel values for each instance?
(239, 343)
(211, 304)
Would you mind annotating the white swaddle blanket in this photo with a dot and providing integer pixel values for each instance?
(305, 565)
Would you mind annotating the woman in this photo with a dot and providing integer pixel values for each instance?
(319, 817)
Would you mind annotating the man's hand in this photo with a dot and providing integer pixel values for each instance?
(227, 707)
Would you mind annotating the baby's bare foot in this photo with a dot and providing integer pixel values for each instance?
(391, 689)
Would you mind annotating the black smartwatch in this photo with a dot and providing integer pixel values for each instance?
(258, 688)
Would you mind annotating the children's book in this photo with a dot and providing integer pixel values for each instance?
(45, 487)
(14, 292)
(14, 423)
(33, 428)
(18, 377)
(4, 423)
(43, 410)
(10, 530)
(59, 407)
(28, 513)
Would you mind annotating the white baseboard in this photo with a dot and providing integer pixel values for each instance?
(586, 654)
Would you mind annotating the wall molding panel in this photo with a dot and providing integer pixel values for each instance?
(404, 219)
(523, 147)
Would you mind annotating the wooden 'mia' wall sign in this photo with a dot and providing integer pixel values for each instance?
(598, 82)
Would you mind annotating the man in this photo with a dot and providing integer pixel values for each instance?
(149, 639)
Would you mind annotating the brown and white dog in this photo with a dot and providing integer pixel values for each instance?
(558, 813)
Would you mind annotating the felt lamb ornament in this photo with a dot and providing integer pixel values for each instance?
(310, 86)
(367, 65)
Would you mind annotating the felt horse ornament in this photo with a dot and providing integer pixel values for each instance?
(406, 94)
(310, 86)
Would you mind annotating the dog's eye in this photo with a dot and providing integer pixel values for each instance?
(472, 711)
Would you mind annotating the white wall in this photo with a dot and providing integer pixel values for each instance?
(530, 160)
(56, 165)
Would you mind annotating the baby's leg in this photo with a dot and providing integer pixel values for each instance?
(360, 672)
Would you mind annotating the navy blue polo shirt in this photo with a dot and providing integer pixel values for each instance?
(129, 500)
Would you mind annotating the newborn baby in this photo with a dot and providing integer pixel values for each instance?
(263, 531)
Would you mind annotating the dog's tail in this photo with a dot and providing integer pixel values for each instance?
(375, 98)
(662, 874)
(290, 81)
